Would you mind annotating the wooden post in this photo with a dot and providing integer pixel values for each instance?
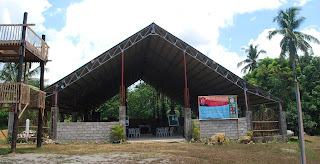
(246, 99)
(18, 106)
(248, 112)
(40, 114)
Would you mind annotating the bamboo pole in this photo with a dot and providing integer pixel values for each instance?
(41, 112)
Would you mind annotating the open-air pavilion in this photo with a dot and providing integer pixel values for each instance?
(163, 61)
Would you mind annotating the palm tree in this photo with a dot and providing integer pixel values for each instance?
(251, 60)
(9, 72)
(291, 42)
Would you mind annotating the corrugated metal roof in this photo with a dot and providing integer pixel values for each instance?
(155, 56)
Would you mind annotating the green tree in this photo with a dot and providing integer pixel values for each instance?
(275, 77)
(143, 102)
(110, 109)
(291, 42)
(252, 57)
(4, 116)
(310, 91)
(9, 73)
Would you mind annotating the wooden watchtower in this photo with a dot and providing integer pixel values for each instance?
(20, 44)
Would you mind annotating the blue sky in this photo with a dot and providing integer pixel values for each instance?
(249, 25)
(79, 30)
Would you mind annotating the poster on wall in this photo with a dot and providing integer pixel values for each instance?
(173, 120)
(218, 107)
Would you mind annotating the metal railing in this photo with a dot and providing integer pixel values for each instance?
(11, 34)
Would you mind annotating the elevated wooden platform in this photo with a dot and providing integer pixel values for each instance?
(11, 39)
(20, 93)
(14, 93)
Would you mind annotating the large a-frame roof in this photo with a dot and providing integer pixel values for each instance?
(155, 56)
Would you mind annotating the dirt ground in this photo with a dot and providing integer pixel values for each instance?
(175, 152)
(97, 158)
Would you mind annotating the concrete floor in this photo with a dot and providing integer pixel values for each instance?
(149, 138)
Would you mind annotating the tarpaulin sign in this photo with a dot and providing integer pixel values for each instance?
(218, 107)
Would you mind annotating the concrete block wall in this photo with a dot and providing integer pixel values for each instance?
(10, 123)
(243, 126)
(211, 127)
(84, 131)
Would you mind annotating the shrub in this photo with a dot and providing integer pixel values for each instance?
(117, 132)
(195, 131)
(249, 133)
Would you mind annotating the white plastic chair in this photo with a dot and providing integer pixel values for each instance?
(131, 133)
(157, 132)
(166, 132)
(137, 132)
(160, 132)
(171, 131)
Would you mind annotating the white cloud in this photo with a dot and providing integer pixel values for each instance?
(104, 24)
(273, 46)
(12, 12)
(252, 19)
(316, 33)
(57, 11)
(300, 2)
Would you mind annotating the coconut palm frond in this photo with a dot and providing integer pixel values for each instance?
(252, 57)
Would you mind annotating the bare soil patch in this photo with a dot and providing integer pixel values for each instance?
(274, 152)
(97, 158)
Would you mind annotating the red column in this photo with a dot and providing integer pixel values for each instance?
(186, 90)
(122, 89)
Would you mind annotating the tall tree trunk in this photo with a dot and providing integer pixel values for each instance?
(300, 118)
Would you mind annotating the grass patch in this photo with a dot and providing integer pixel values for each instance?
(295, 140)
(3, 141)
(4, 151)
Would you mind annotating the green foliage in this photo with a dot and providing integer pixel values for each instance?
(5, 151)
(110, 109)
(293, 40)
(195, 131)
(9, 72)
(252, 58)
(4, 116)
(117, 132)
(249, 133)
(276, 77)
(143, 102)
(227, 142)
